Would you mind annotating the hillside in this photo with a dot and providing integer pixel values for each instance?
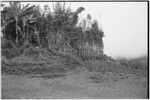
(49, 53)
(106, 79)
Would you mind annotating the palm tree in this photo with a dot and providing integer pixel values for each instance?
(14, 14)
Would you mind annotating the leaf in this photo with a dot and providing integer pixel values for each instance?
(8, 22)
(27, 12)
(24, 8)
(19, 29)
(79, 10)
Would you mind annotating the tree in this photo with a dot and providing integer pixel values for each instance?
(98, 34)
(13, 19)
(62, 25)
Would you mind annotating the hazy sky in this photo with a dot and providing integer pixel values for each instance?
(124, 25)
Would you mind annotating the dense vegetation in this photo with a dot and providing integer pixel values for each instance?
(48, 40)
(58, 31)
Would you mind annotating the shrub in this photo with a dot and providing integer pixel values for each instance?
(31, 52)
(5, 44)
(46, 54)
(21, 59)
(4, 59)
(10, 53)
(9, 50)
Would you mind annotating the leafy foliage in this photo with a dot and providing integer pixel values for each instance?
(56, 30)
(14, 20)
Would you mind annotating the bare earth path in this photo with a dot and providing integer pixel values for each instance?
(76, 86)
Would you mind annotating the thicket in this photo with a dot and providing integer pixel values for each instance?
(58, 29)
(48, 39)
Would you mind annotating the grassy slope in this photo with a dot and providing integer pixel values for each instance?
(27, 78)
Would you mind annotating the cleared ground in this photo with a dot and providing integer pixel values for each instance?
(108, 82)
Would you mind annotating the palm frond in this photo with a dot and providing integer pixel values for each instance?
(79, 10)
(28, 11)
(25, 7)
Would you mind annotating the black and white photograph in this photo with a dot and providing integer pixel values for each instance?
(74, 50)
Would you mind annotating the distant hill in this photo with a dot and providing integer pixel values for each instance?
(140, 61)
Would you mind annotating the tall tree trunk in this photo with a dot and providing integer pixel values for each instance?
(16, 24)
(26, 36)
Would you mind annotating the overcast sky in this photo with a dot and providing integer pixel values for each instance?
(124, 25)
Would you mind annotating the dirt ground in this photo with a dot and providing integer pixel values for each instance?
(80, 85)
